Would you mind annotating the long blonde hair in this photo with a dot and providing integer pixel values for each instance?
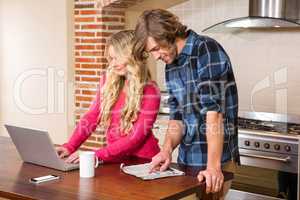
(137, 76)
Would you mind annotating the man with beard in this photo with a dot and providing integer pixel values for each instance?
(203, 97)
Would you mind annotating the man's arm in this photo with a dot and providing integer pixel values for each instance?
(173, 137)
(215, 138)
(174, 131)
(214, 73)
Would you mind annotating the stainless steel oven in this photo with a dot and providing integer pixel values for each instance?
(268, 151)
(269, 144)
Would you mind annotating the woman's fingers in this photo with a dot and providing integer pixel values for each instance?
(62, 152)
(58, 149)
(76, 161)
(72, 158)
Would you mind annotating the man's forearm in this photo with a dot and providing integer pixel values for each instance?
(215, 139)
(173, 135)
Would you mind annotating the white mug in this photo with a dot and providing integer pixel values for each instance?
(87, 164)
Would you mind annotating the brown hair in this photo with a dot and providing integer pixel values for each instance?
(160, 24)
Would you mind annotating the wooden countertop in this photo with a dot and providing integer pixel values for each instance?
(109, 182)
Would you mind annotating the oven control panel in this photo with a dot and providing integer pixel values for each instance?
(268, 143)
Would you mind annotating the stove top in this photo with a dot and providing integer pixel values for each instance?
(260, 125)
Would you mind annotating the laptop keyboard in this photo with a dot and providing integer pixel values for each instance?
(70, 165)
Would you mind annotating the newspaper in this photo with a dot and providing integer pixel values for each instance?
(142, 171)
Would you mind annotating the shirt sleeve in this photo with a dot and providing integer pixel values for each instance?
(175, 112)
(175, 109)
(213, 66)
(87, 124)
(140, 130)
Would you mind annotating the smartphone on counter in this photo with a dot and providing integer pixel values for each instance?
(42, 179)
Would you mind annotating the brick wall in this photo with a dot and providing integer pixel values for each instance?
(93, 25)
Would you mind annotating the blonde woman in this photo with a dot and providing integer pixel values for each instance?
(125, 108)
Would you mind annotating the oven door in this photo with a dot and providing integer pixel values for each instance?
(241, 195)
(264, 173)
(269, 160)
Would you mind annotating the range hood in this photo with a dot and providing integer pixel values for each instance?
(266, 14)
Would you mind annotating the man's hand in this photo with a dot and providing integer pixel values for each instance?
(161, 161)
(62, 152)
(214, 179)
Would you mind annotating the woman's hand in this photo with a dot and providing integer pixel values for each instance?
(62, 152)
(73, 158)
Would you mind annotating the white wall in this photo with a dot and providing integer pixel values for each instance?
(35, 46)
(266, 62)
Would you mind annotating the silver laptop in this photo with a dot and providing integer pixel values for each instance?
(35, 146)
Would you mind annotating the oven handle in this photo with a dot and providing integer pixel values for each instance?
(286, 159)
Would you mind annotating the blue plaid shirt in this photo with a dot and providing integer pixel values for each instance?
(201, 79)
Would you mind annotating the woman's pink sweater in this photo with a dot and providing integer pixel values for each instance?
(139, 142)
